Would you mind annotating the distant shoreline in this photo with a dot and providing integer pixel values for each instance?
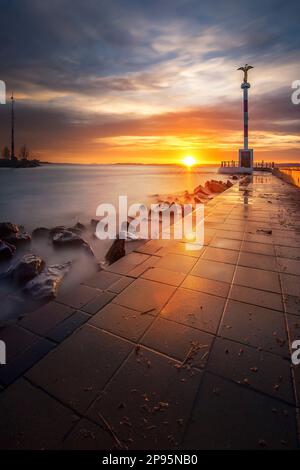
(206, 165)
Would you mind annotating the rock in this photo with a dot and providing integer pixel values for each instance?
(116, 251)
(94, 223)
(215, 186)
(41, 232)
(79, 226)
(235, 177)
(7, 251)
(12, 234)
(7, 228)
(45, 286)
(68, 239)
(229, 184)
(55, 230)
(25, 269)
(18, 239)
(201, 191)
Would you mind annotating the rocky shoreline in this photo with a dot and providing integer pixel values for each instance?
(27, 280)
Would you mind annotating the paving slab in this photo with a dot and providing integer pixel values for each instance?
(165, 276)
(78, 298)
(213, 270)
(221, 255)
(208, 286)
(178, 263)
(290, 285)
(261, 298)
(126, 264)
(98, 302)
(145, 296)
(257, 279)
(78, 369)
(24, 361)
(121, 284)
(226, 243)
(256, 326)
(229, 416)
(195, 309)
(68, 326)
(189, 345)
(260, 370)
(17, 340)
(45, 318)
(260, 261)
(89, 436)
(148, 402)
(102, 280)
(289, 266)
(291, 304)
(122, 321)
(31, 419)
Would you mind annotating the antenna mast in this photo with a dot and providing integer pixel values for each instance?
(12, 152)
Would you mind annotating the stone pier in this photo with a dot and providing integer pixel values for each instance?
(170, 348)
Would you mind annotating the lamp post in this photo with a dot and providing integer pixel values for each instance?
(246, 154)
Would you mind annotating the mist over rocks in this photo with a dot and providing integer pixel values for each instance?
(14, 234)
(67, 238)
(44, 287)
(28, 267)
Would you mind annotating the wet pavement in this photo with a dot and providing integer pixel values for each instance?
(170, 348)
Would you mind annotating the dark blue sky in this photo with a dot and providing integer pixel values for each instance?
(111, 80)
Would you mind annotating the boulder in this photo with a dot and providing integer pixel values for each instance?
(201, 191)
(69, 239)
(12, 234)
(18, 239)
(28, 267)
(7, 251)
(7, 228)
(94, 223)
(41, 232)
(215, 186)
(45, 286)
(116, 251)
(78, 226)
(55, 230)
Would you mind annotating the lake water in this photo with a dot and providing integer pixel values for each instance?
(53, 195)
(65, 194)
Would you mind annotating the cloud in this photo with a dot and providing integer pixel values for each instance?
(125, 73)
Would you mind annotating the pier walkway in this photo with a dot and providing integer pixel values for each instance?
(170, 348)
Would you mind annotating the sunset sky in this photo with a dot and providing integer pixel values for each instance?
(150, 81)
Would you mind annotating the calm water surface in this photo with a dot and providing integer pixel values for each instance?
(65, 194)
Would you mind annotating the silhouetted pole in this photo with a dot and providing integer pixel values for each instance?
(12, 152)
(246, 154)
(245, 88)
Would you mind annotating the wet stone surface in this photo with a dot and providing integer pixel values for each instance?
(169, 348)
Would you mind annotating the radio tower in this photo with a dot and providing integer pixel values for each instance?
(12, 150)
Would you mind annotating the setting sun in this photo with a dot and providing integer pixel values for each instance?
(189, 161)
